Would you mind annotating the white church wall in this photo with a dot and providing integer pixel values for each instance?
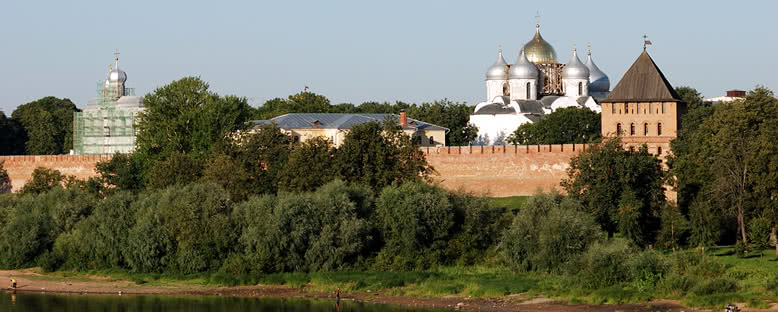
(495, 129)
(494, 88)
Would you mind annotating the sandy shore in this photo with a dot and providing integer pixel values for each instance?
(30, 281)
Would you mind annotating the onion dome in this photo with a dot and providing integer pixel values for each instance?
(523, 69)
(598, 81)
(575, 69)
(116, 74)
(498, 70)
(539, 51)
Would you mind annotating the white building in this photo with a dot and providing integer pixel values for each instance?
(534, 86)
(107, 124)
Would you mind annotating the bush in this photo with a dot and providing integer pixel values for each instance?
(759, 232)
(772, 283)
(647, 268)
(319, 231)
(547, 233)
(478, 224)
(29, 230)
(417, 221)
(606, 264)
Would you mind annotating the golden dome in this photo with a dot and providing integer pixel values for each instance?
(539, 50)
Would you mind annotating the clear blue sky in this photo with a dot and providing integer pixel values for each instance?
(355, 51)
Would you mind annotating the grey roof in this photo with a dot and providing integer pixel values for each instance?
(530, 106)
(643, 82)
(339, 121)
(548, 100)
(495, 109)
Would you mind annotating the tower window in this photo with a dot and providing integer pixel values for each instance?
(659, 151)
(613, 108)
(632, 129)
(639, 107)
(659, 129)
(580, 88)
(626, 108)
(618, 129)
(650, 108)
(645, 129)
(663, 108)
(528, 91)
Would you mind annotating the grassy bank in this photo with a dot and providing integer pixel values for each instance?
(754, 278)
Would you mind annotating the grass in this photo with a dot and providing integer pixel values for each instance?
(723, 278)
(513, 203)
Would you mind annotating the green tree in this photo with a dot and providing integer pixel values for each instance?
(445, 113)
(379, 155)
(185, 117)
(760, 229)
(123, 172)
(303, 102)
(43, 180)
(603, 177)
(229, 174)
(176, 169)
(310, 166)
(12, 136)
(570, 125)
(5, 180)
(47, 124)
(263, 153)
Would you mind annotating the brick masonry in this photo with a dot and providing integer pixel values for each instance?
(490, 170)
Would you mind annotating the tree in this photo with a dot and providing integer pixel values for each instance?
(123, 172)
(263, 153)
(5, 180)
(444, 113)
(379, 155)
(43, 180)
(303, 102)
(12, 136)
(185, 117)
(47, 124)
(569, 125)
(310, 166)
(622, 189)
(229, 174)
(177, 169)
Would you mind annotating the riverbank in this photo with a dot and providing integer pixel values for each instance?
(31, 280)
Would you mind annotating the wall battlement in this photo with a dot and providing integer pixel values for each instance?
(20, 167)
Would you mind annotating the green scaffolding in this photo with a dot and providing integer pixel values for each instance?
(109, 127)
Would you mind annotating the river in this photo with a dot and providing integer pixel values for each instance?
(44, 302)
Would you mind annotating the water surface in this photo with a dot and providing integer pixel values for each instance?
(24, 302)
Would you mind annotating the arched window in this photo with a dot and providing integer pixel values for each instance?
(650, 108)
(639, 107)
(659, 151)
(626, 108)
(659, 129)
(663, 108)
(529, 85)
(618, 129)
(506, 90)
(613, 108)
(632, 129)
(432, 140)
(645, 129)
(580, 88)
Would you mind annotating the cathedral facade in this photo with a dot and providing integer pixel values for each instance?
(535, 85)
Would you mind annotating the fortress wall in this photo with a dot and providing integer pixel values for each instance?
(500, 171)
(20, 168)
(496, 171)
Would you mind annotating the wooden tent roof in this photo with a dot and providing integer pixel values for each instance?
(643, 82)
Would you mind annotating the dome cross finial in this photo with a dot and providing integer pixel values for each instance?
(500, 48)
(589, 47)
(537, 19)
(116, 57)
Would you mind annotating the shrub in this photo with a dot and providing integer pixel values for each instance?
(547, 233)
(29, 230)
(647, 268)
(759, 232)
(417, 221)
(477, 226)
(772, 283)
(606, 264)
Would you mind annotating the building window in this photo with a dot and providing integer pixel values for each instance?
(650, 108)
(626, 108)
(613, 108)
(632, 129)
(659, 129)
(659, 151)
(432, 140)
(618, 129)
(645, 129)
(663, 108)
(639, 107)
(580, 88)
(528, 91)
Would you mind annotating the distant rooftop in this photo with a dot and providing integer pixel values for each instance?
(339, 121)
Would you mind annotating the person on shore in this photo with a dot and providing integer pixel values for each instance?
(337, 296)
(13, 283)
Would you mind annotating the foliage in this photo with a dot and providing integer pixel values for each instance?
(444, 113)
(606, 263)
(263, 153)
(674, 230)
(12, 136)
(478, 225)
(47, 125)
(185, 230)
(5, 180)
(759, 231)
(319, 231)
(185, 117)
(378, 156)
(310, 165)
(563, 126)
(176, 169)
(227, 172)
(43, 180)
(416, 220)
(549, 232)
(303, 102)
(621, 188)
(122, 172)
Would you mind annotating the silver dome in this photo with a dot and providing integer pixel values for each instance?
(523, 69)
(575, 69)
(598, 81)
(116, 75)
(498, 70)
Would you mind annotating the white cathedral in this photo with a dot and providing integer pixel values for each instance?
(534, 86)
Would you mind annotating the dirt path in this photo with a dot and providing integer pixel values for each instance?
(30, 281)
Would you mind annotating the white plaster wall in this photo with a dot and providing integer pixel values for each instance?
(494, 129)
(519, 89)
(494, 88)
(571, 87)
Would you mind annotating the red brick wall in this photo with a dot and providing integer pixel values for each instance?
(20, 168)
(502, 171)
(491, 170)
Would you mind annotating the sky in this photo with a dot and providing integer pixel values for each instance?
(356, 51)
